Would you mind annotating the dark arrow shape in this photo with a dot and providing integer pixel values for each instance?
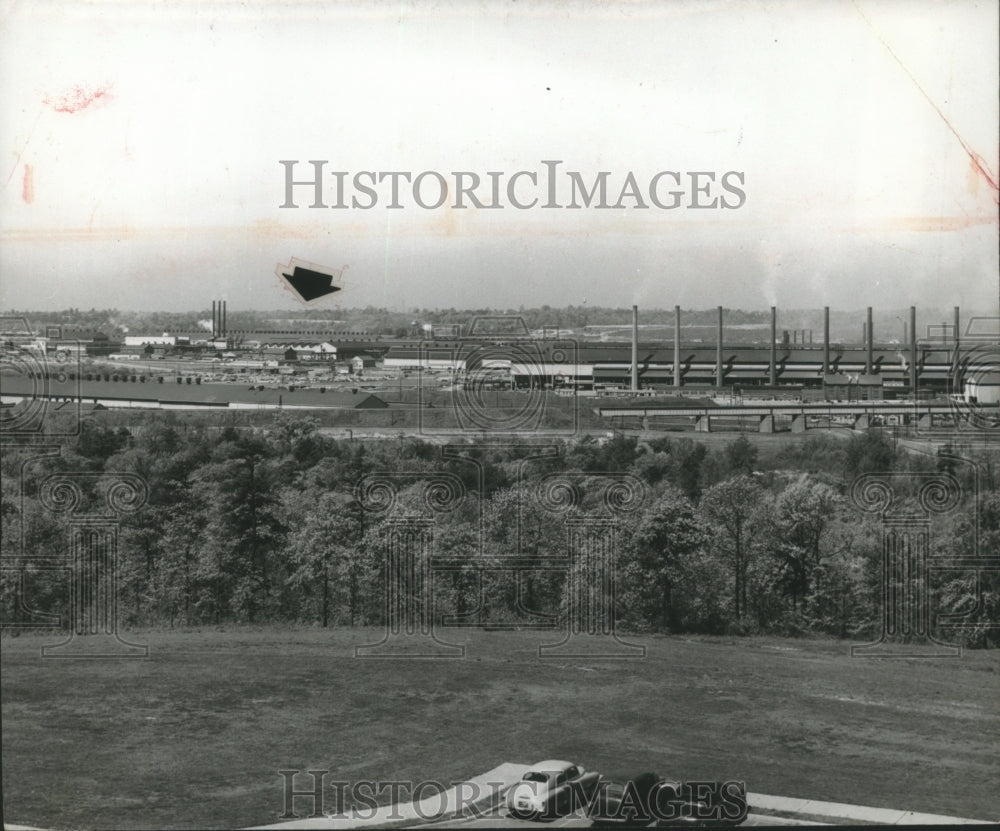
(309, 281)
(311, 284)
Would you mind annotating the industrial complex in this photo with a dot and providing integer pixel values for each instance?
(335, 368)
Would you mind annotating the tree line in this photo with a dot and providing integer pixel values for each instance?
(273, 524)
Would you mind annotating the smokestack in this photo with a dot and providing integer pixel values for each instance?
(871, 339)
(223, 332)
(213, 320)
(718, 353)
(913, 351)
(826, 340)
(773, 374)
(795, 337)
(956, 327)
(677, 347)
(810, 337)
(635, 349)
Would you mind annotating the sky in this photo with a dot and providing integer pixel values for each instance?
(142, 144)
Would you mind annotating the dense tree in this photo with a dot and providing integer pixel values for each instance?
(244, 531)
(869, 452)
(741, 456)
(688, 459)
(801, 516)
(736, 509)
(252, 521)
(325, 556)
(667, 537)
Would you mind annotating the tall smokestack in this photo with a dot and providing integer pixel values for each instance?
(718, 353)
(826, 340)
(677, 347)
(871, 339)
(913, 351)
(773, 374)
(223, 332)
(635, 349)
(213, 320)
(957, 320)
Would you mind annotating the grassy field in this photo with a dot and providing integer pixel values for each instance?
(193, 736)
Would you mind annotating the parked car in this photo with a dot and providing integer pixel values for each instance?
(552, 788)
(611, 808)
(646, 799)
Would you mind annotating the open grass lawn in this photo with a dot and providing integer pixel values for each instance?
(193, 737)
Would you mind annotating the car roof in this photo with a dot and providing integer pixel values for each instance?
(551, 765)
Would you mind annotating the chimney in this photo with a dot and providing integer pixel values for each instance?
(871, 339)
(677, 347)
(718, 353)
(773, 374)
(957, 321)
(913, 351)
(635, 349)
(223, 332)
(213, 320)
(826, 340)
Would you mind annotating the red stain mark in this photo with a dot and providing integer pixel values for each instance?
(939, 223)
(77, 98)
(978, 163)
(28, 184)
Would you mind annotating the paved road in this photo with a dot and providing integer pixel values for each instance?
(500, 819)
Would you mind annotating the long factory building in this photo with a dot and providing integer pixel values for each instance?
(920, 367)
(863, 372)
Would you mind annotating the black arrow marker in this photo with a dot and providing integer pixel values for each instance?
(310, 282)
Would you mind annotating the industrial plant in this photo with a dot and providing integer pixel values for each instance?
(630, 371)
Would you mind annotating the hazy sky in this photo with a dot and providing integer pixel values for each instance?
(141, 145)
